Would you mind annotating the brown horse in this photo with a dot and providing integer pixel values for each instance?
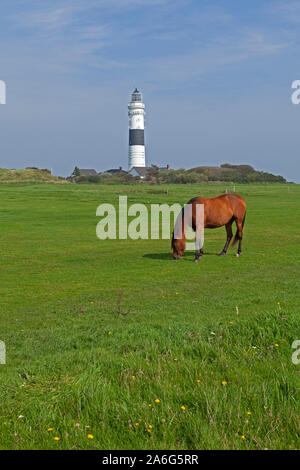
(217, 211)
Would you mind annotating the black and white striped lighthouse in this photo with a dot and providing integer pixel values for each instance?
(136, 113)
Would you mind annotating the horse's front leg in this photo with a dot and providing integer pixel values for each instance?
(198, 254)
(199, 245)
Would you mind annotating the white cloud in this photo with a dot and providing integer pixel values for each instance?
(256, 43)
(288, 11)
(54, 19)
(74, 37)
(186, 67)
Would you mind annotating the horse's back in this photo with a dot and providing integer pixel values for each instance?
(232, 199)
(238, 204)
(221, 209)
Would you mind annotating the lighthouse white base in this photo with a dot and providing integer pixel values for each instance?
(136, 156)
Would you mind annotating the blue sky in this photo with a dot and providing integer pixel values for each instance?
(216, 78)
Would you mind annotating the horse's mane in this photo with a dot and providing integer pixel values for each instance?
(193, 199)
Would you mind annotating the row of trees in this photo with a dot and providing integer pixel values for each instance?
(105, 178)
(224, 173)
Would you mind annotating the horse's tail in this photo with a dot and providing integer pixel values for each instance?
(243, 223)
(236, 238)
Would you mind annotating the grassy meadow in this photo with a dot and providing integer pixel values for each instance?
(29, 175)
(114, 345)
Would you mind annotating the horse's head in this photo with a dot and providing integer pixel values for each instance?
(178, 247)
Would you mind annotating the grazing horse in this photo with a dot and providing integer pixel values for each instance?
(217, 211)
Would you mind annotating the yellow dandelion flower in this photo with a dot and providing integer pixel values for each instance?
(182, 407)
(231, 322)
(109, 333)
(137, 424)
(243, 437)
(157, 400)
(248, 412)
(50, 429)
(175, 359)
(265, 407)
(150, 426)
(149, 405)
(133, 376)
(149, 430)
(276, 345)
(56, 438)
(224, 382)
(198, 381)
(90, 436)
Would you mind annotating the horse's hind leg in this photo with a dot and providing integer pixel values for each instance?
(239, 236)
(229, 237)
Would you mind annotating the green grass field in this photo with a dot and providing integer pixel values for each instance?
(113, 345)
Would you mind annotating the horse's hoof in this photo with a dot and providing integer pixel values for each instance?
(196, 260)
(222, 253)
(238, 255)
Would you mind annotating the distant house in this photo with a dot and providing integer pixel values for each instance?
(142, 171)
(87, 172)
(162, 168)
(114, 171)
